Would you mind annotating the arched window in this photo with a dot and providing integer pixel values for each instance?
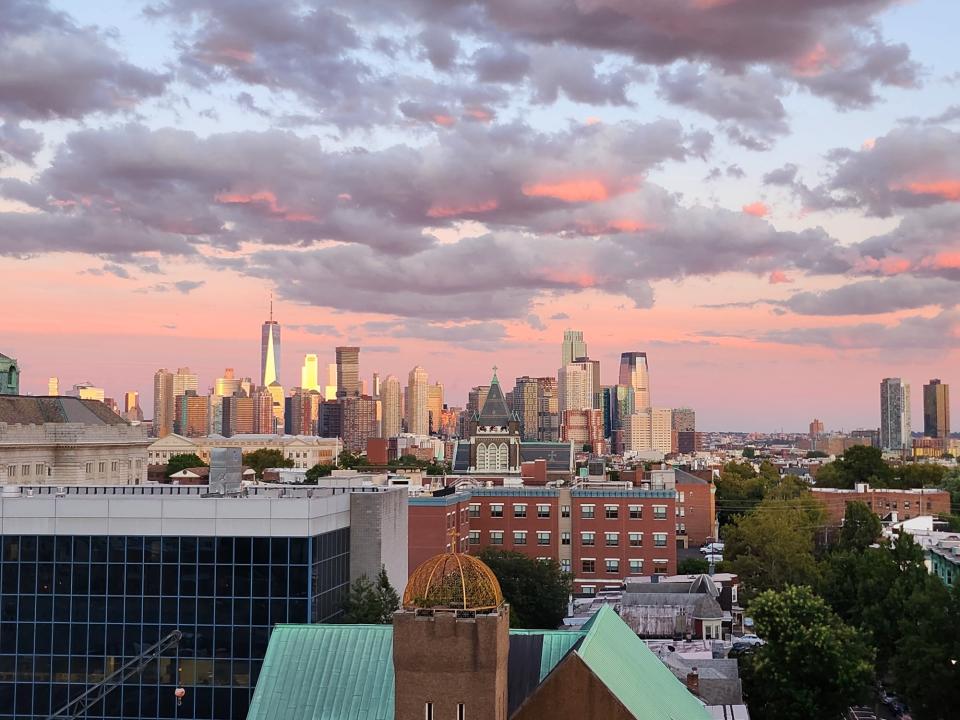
(503, 457)
(481, 457)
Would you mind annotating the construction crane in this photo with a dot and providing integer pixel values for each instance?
(80, 704)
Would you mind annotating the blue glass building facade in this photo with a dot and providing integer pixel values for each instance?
(73, 608)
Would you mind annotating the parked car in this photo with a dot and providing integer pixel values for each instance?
(713, 558)
(750, 639)
(740, 649)
(712, 548)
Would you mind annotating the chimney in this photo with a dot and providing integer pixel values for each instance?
(693, 681)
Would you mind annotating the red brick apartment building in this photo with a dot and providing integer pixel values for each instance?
(883, 501)
(600, 535)
(696, 502)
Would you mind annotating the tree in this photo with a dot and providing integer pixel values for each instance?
(537, 590)
(182, 462)
(859, 464)
(772, 546)
(861, 528)
(813, 665)
(351, 461)
(260, 460)
(318, 471)
(693, 566)
(918, 475)
(816, 454)
(371, 603)
(749, 452)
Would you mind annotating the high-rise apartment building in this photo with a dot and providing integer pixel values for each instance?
(164, 406)
(299, 415)
(238, 415)
(88, 391)
(359, 422)
(573, 347)
(270, 350)
(594, 366)
(131, 406)
(895, 425)
(418, 418)
(476, 399)
(227, 385)
(635, 374)
(184, 380)
(309, 373)
(548, 410)
(649, 430)
(526, 406)
(434, 407)
(936, 409)
(684, 420)
(816, 428)
(392, 410)
(348, 371)
(53, 386)
(192, 414)
(584, 428)
(376, 386)
(575, 387)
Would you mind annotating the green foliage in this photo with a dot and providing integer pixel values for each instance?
(917, 475)
(537, 590)
(182, 462)
(371, 602)
(693, 566)
(816, 454)
(351, 461)
(772, 546)
(740, 488)
(260, 460)
(861, 528)
(951, 483)
(860, 463)
(749, 452)
(813, 665)
(318, 471)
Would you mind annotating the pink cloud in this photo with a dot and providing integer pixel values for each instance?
(576, 190)
(265, 201)
(443, 120)
(884, 266)
(813, 62)
(445, 211)
(778, 277)
(944, 189)
(757, 209)
(481, 114)
(620, 225)
(941, 261)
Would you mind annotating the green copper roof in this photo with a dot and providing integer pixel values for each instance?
(326, 672)
(556, 644)
(633, 673)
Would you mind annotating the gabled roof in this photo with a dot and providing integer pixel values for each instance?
(36, 410)
(495, 411)
(633, 673)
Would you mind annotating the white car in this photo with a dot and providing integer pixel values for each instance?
(712, 548)
(713, 558)
(749, 639)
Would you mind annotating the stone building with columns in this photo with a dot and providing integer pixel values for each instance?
(68, 441)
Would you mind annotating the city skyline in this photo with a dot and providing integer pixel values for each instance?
(764, 219)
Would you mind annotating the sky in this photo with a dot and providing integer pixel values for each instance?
(763, 195)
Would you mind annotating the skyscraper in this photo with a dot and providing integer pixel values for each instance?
(53, 386)
(377, 386)
(270, 350)
(330, 387)
(309, 375)
(227, 385)
(548, 410)
(685, 420)
(936, 409)
(163, 403)
(635, 374)
(358, 421)
(575, 387)
(184, 380)
(895, 425)
(525, 405)
(131, 406)
(573, 347)
(418, 419)
(348, 372)
(434, 407)
(390, 394)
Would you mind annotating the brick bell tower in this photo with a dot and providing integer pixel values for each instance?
(450, 643)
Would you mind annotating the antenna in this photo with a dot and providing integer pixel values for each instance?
(271, 306)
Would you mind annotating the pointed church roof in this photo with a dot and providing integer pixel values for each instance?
(495, 411)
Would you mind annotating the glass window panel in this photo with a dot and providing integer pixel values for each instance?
(241, 551)
(207, 549)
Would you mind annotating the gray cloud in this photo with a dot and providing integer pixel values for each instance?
(876, 296)
(51, 68)
(440, 47)
(915, 333)
(18, 142)
(328, 330)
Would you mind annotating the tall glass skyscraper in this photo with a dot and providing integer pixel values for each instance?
(895, 424)
(270, 351)
(348, 371)
(635, 374)
(573, 347)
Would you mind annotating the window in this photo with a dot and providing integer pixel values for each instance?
(587, 538)
(461, 712)
(39, 469)
(543, 537)
(114, 466)
(660, 566)
(612, 539)
(565, 511)
(428, 712)
(474, 510)
(496, 537)
(906, 504)
(565, 565)
(11, 470)
(543, 511)
(564, 538)
(613, 565)
(659, 539)
(25, 470)
(611, 512)
(636, 539)
(636, 567)
(474, 537)
(496, 510)
(519, 537)
(589, 589)
(681, 497)
(588, 566)
(519, 511)
(587, 511)
(89, 468)
(102, 466)
(636, 512)
(659, 512)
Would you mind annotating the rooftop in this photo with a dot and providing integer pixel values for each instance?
(37, 410)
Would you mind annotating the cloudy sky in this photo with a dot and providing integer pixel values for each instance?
(762, 194)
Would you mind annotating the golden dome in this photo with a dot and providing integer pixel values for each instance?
(452, 581)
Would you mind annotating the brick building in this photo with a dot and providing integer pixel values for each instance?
(601, 535)
(885, 501)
